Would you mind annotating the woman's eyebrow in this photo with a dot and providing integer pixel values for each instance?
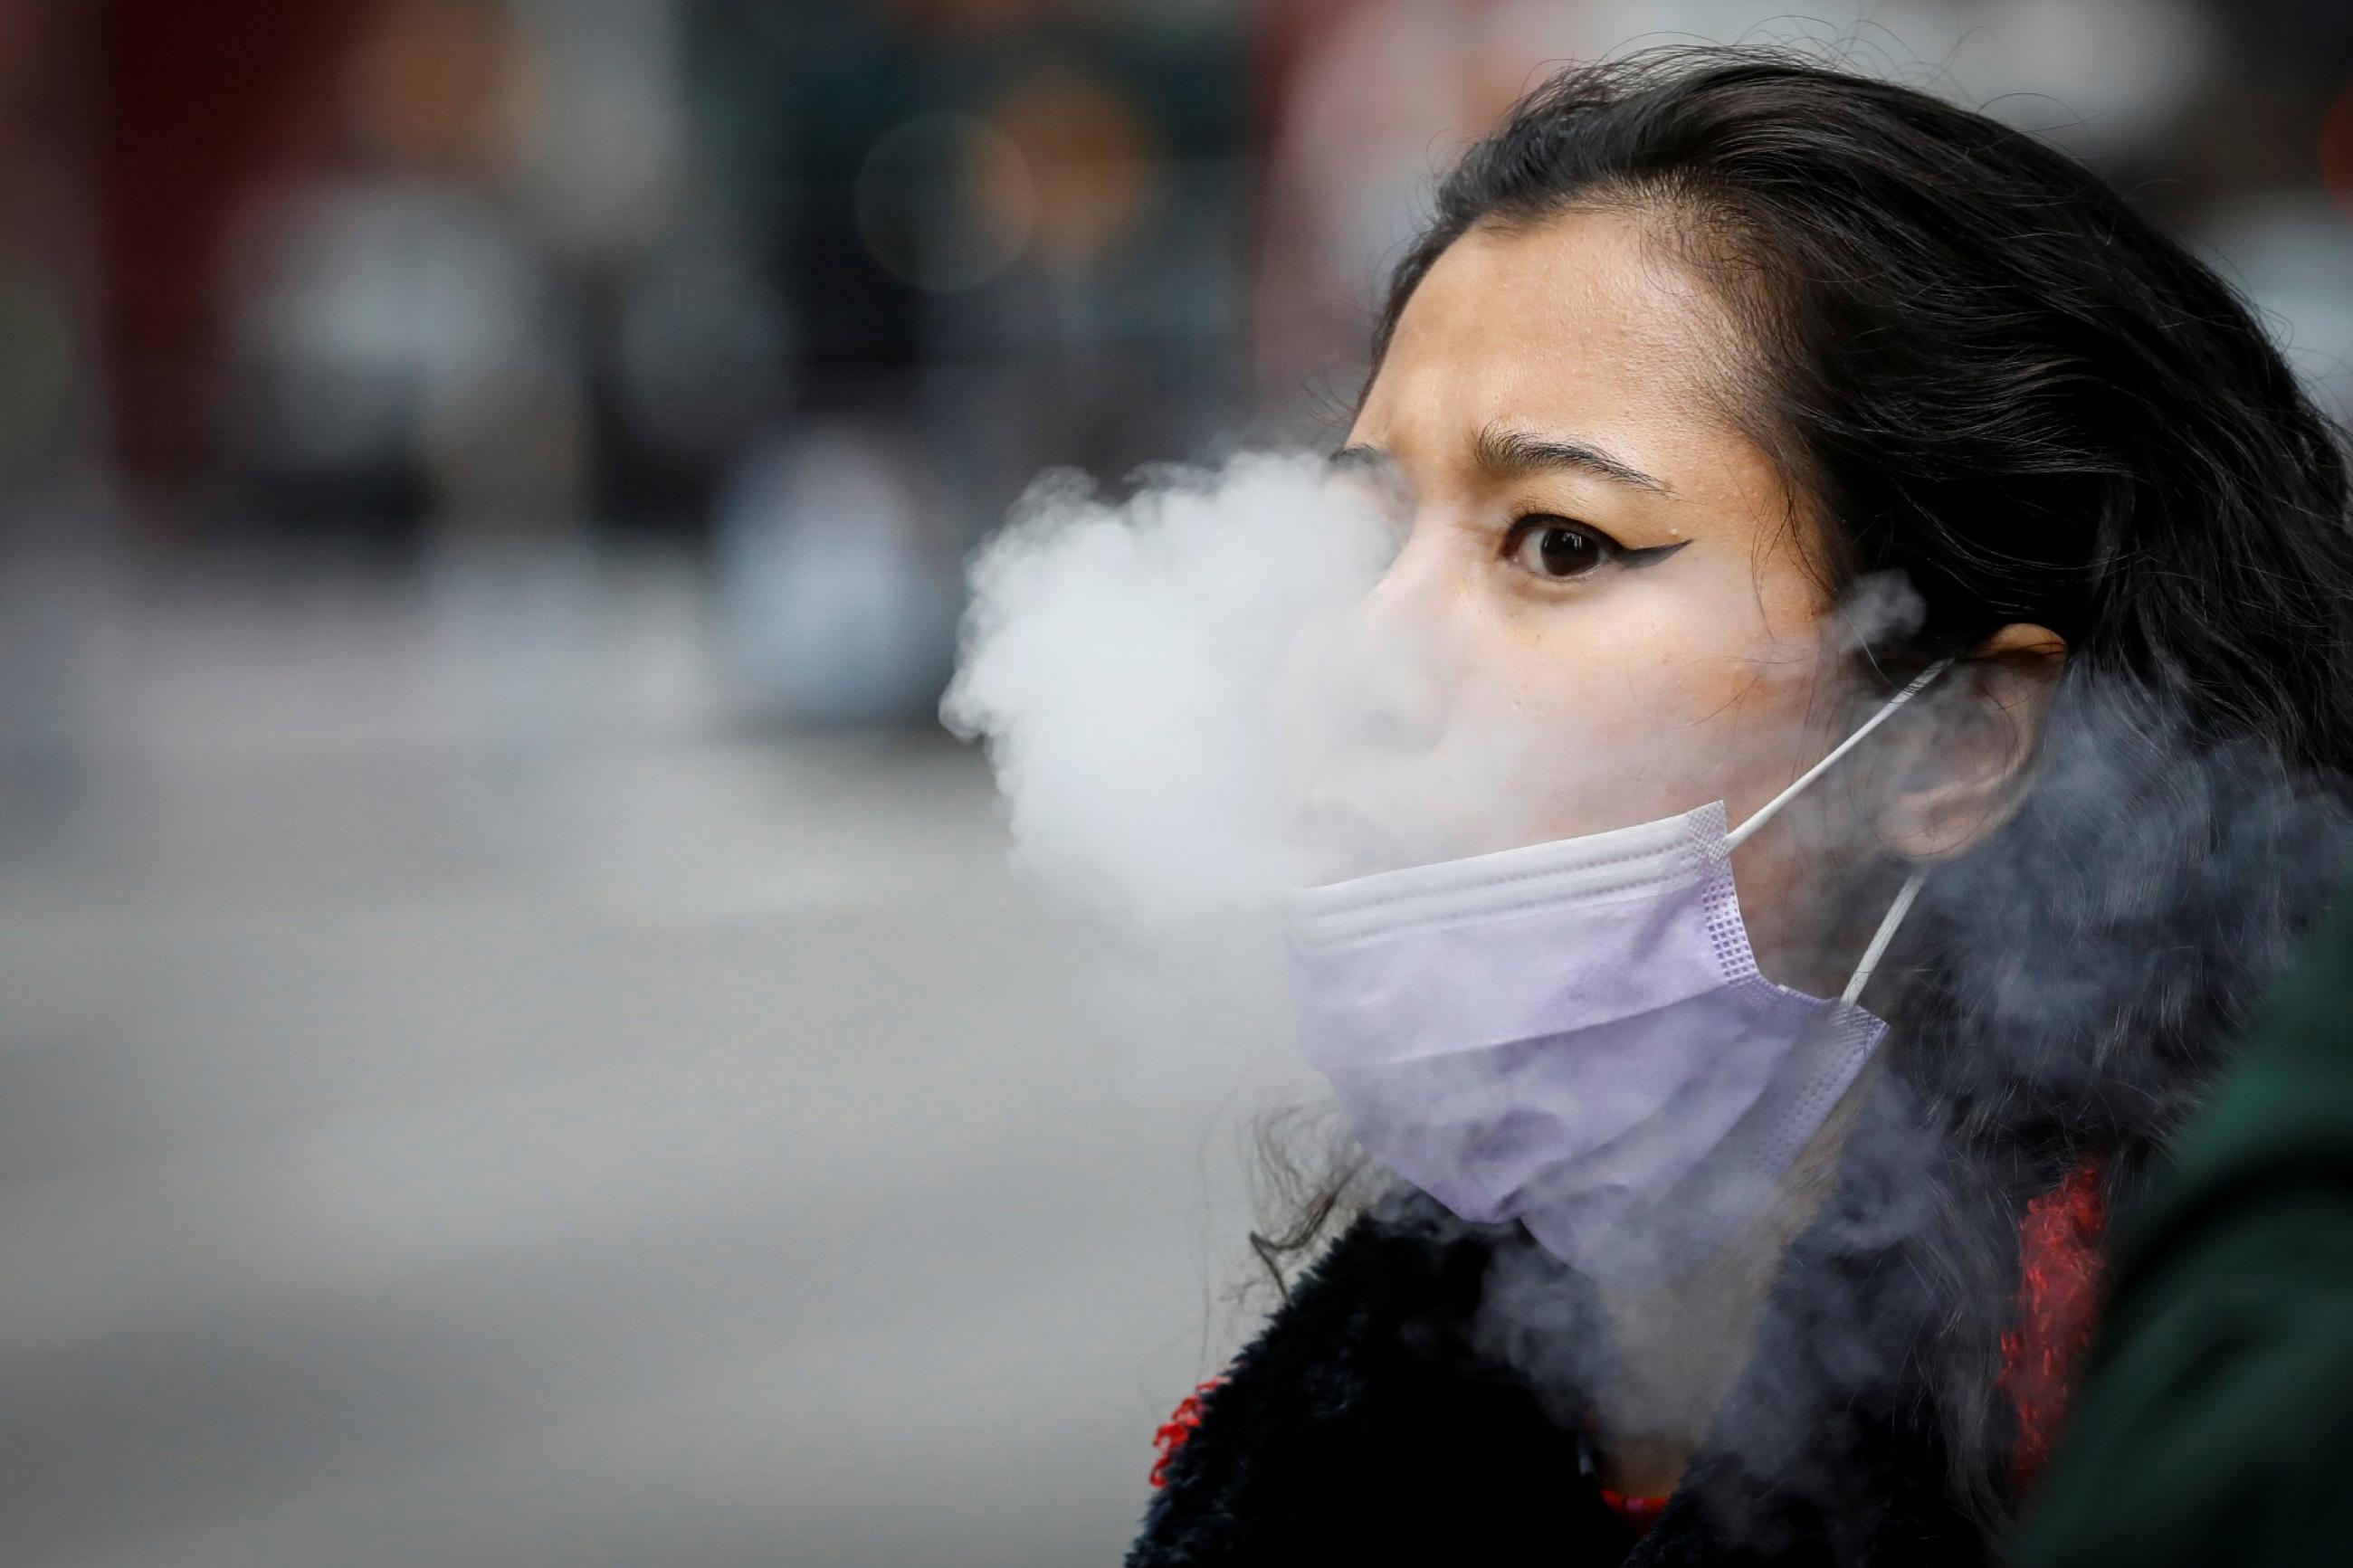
(1504, 453)
(1360, 458)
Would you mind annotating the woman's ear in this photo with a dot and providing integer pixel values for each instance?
(1964, 779)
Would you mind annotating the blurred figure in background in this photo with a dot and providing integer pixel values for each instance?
(397, 341)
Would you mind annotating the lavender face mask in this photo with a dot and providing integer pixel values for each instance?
(1575, 1035)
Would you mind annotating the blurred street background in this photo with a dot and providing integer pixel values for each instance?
(518, 1044)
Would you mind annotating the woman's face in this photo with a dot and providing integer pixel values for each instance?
(1599, 614)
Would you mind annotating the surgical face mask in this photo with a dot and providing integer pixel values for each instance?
(1575, 1035)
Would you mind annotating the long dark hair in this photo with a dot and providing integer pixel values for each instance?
(1979, 368)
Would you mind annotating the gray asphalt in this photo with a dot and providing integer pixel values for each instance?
(444, 1124)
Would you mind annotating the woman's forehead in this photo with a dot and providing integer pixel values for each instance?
(1581, 328)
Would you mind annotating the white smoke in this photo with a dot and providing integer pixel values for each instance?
(1121, 659)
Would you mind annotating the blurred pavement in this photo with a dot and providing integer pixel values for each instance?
(629, 1144)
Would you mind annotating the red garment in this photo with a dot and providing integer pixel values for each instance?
(1170, 1436)
(1642, 1512)
(2058, 1308)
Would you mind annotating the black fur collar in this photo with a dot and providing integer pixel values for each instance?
(1363, 1426)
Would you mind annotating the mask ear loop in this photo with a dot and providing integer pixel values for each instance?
(1757, 819)
(1903, 904)
(1885, 934)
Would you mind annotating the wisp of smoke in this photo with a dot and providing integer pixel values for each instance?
(1119, 660)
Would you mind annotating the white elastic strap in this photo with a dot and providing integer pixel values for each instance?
(1757, 819)
(1893, 918)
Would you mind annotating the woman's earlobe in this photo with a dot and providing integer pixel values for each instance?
(1972, 774)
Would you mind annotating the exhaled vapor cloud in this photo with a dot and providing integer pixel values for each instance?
(1121, 660)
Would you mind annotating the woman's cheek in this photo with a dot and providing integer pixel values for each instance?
(1571, 746)
(1630, 719)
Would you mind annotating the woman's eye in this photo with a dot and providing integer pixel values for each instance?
(1557, 548)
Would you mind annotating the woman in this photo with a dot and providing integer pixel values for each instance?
(1727, 400)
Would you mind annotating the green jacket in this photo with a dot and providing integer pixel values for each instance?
(2215, 1423)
